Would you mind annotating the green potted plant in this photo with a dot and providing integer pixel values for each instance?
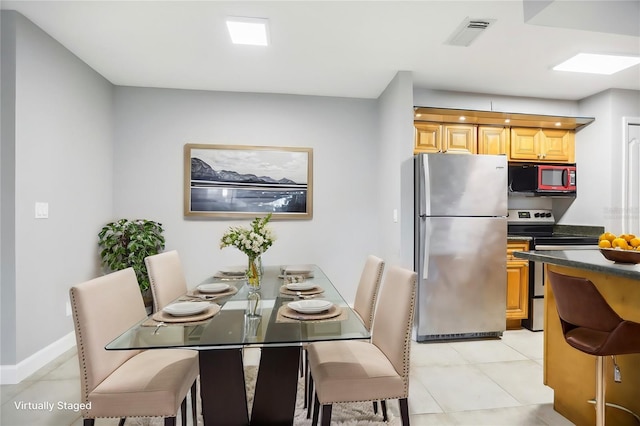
(125, 243)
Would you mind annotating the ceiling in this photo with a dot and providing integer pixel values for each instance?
(346, 49)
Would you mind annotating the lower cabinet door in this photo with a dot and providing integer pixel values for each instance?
(517, 289)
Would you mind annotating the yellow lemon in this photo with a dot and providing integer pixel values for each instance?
(604, 244)
(607, 236)
(620, 242)
(635, 242)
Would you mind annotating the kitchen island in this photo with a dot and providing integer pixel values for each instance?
(570, 372)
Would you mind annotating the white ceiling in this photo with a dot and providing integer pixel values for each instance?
(348, 49)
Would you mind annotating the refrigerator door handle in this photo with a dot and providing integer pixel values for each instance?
(426, 186)
(425, 234)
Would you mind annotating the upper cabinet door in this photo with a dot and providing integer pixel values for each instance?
(525, 144)
(557, 145)
(460, 139)
(428, 137)
(493, 140)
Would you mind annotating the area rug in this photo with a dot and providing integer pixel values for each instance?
(352, 414)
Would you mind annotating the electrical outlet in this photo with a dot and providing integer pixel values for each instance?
(42, 210)
(67, 307)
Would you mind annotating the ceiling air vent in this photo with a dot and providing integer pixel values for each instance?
(468, 31)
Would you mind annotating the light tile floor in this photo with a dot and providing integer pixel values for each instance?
(494, 382)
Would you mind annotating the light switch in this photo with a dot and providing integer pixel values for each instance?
(42, 210)
(395, 215)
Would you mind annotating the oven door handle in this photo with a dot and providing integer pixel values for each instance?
(567, 247)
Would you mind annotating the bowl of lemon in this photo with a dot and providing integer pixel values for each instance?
(623, 248)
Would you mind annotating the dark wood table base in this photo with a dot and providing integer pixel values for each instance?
(222, 387)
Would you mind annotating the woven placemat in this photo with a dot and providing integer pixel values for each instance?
(314, 290)
(162, 316)
(197, 293)
(335, 313)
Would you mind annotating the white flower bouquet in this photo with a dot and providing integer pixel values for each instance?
(251, 241)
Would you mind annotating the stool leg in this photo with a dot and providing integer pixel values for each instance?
(600, 391)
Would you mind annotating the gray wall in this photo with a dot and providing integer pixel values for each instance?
(599, 151)
(152, 126)
(395, 170)
(63, 156)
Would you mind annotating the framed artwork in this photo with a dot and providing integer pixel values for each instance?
(231, 181)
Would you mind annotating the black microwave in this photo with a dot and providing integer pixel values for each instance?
(544, 179)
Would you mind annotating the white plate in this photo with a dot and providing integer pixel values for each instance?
(313, 306)
(213, 288)
(305, 285)
(182, 309)
(297, 269)
(234, 270)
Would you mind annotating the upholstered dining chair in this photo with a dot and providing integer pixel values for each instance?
(367, 291)
(132, 383)
(166, 277)
(376, 370)
(364, 306)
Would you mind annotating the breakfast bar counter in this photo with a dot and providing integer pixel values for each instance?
(572, 373)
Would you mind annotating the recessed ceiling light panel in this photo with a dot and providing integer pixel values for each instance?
(597, 64)
(252, 31)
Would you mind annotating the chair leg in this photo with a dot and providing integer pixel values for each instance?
(169, 421)
(383, 403)
(194, 402)
(375, 407)
(305, 375)
(304, 367)
(88, 422)
(316, 410)
(183, 411)
(600, 391)
(404, 411)
(309, 395)
(121, 422)
(326, 414)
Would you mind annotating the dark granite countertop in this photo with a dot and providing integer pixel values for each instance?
(590, 260)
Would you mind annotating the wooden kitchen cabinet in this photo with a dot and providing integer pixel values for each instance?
(428, 137)
(493, 140)
(542, 145)
(446, 138)
(517, 284)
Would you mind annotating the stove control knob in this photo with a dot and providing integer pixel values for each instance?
(537, 214)
(548, 215)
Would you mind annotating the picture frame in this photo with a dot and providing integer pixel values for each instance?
(236, 181)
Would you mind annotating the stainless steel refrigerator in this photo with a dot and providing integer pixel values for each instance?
(460, 245)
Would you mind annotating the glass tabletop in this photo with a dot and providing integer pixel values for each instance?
(239, 324)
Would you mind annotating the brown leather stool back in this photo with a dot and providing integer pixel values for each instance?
(589, 324)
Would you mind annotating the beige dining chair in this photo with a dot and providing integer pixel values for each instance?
(131, 383)
(363, 305)
(376, 370)
(367, 291)
(166, 277)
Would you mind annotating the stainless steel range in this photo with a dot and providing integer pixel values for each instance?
(539, 225)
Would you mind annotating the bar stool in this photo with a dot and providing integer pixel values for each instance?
(591, 326)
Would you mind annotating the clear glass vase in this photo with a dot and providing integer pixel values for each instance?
(254, 273)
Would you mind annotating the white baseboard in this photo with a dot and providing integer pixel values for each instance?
(12, 374)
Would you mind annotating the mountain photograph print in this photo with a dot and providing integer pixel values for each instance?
(244, 181)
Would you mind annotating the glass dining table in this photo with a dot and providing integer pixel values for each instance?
(252, 319)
